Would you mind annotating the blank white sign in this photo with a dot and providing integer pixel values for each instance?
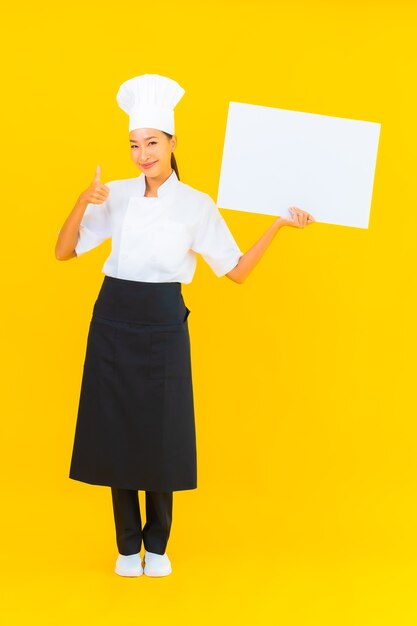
(276, 158)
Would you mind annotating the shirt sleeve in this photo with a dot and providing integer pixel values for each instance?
(214, 241)
(95, 226)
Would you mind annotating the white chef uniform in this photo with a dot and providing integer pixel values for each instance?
(157, 239)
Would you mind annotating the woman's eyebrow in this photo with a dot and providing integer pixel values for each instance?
(153, 137)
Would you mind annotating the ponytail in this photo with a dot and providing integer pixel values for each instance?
(174, 165)
(173, 160)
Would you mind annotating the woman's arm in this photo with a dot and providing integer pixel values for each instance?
(68, 235)
(248, 261)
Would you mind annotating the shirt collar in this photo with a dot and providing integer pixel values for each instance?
(168, 185)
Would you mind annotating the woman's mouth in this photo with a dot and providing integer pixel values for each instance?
(148, 165)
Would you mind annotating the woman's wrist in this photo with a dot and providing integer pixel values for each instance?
(82, 200)
(280, 222)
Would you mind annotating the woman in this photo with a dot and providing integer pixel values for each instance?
(135, 425)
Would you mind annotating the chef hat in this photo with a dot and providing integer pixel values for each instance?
(149, 100)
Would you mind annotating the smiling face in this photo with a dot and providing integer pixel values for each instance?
(152, 146)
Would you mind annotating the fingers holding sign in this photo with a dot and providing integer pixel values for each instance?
(298, 219)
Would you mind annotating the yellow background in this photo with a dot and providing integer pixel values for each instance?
(304, 376)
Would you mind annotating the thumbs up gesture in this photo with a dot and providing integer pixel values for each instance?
(97, 192)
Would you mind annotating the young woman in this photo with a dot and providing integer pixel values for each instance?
(135, 426)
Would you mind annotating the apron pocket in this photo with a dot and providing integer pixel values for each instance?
(170, 352)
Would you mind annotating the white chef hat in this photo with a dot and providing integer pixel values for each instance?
(149, 100)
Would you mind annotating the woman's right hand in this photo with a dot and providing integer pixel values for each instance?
(298, 219)
(97, 192)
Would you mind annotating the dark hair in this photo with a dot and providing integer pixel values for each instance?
(173, 160)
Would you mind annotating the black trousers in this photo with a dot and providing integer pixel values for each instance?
(128, 523)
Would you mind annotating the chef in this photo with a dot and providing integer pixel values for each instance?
(135, 426)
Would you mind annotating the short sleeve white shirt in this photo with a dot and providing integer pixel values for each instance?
(158, 239)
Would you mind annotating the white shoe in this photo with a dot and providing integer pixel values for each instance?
(157, 564)
(129, 565)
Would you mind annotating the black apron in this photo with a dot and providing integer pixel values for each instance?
(135, 426)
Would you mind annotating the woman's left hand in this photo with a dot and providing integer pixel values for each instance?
(300, 218)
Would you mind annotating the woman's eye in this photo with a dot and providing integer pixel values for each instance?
(133, 146)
